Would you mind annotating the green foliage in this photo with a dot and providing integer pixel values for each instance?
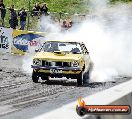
(114, 1)
(71, 6)
(66, 6)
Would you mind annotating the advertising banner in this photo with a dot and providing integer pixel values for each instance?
(5, 40)
(26, 41)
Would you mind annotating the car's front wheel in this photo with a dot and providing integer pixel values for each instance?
(83, 78)
(86, 77)
(45, 77)
(80, 79)
(35, 77)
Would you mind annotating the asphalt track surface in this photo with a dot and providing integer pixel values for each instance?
(18, 93)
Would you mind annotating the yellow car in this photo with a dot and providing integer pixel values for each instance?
(62, 59)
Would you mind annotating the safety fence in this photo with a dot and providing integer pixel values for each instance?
(18, 41)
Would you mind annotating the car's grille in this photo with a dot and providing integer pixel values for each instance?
(56, 64)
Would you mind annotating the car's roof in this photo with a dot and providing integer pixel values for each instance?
(68, 41)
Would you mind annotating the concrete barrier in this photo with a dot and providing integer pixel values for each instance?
(117, 95)
(126, 100)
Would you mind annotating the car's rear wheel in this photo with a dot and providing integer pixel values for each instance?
(35, 77)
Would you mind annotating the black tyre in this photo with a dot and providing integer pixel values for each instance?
(86, 77)
(35, 77)
(80, 79)
(83, 78)
(45, 77)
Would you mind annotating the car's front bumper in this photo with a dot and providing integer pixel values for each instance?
(65, 70)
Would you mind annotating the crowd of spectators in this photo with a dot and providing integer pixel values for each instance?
(38, 10)
(20, 16)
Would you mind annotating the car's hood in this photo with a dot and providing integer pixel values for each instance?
(57, 56)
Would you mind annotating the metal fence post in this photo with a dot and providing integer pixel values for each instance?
(60, 15)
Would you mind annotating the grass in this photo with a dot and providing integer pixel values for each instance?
(126, 1)
(71, 6)
(66, 6)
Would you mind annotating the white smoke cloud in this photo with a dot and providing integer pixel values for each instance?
(107, 37)
(96, 6)
(27, 62)
(47, 24)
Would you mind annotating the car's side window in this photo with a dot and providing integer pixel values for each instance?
(84, 49)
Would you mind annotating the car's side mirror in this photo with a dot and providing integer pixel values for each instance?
(36, 50)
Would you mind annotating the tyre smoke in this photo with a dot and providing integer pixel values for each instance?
(107, 35)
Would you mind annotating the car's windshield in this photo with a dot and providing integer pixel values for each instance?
(62, 46)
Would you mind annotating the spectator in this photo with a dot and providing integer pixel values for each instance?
(44, 10)
(36, 10)
(13, 20)
(70, 23)
(64, 25)
(3, 11)
(23, 16)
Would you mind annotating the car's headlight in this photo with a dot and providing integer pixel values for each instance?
(37, 62)
(75, 64)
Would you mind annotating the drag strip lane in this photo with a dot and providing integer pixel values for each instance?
(18, 93)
